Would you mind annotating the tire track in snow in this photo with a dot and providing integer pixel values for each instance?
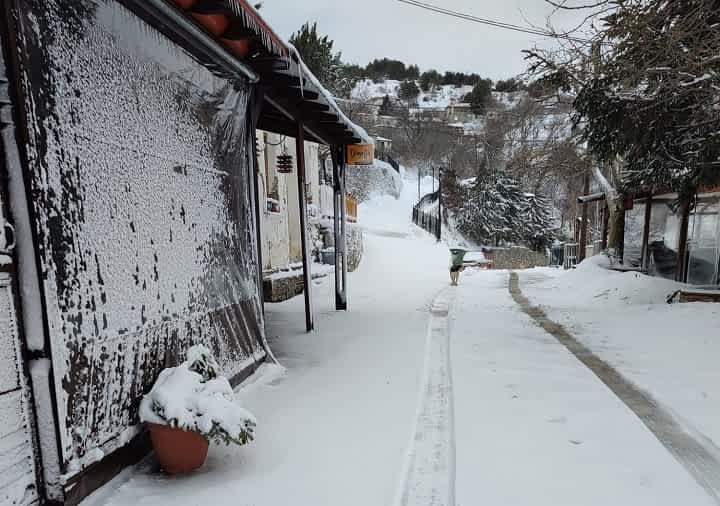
(428, 476)
(695, 452)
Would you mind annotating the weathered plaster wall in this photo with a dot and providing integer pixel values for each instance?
(274, 224)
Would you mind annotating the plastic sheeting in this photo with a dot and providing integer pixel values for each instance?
(704, 249)
(139, 172)
(634, 222)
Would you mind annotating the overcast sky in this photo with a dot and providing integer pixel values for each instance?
(368, 29)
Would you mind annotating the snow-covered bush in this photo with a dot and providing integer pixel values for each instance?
(194, 397)
(365, 182)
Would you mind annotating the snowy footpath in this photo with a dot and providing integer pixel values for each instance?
(534, 426)
(424, 394)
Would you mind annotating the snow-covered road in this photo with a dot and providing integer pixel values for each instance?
(534, 426)
(420, 395)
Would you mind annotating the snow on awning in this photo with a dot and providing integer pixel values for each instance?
(292, 93)
(252, 20)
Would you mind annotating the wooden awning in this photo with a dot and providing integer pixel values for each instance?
(292, 94)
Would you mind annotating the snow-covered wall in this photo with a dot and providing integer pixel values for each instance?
(138, 160)
(367, 181)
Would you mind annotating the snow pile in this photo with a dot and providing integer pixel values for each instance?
(193, 397)
(592, 282)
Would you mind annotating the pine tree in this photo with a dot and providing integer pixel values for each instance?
(384, 109)
(409, 91)
(492, 212)
(318, 54)
(480, 96)
(537, 225)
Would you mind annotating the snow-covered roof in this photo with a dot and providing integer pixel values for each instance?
(329, 99)
(292, 94)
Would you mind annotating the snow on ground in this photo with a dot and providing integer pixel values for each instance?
(535, 427)
(495, 410)
(388, 214)
(669, 350)
(440, 97)
(333, 427)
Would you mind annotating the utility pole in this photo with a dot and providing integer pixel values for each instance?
(419, 170)
(584, 223)
(439, 225)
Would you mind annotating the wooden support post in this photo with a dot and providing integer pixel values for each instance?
(584, 224)
(680, 274)
(256, 107)
(646, 232)
(302, 199)
(338, 158)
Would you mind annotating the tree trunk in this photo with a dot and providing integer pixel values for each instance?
(616, 226)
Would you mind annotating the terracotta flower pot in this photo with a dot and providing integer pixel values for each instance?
(185, 4)
(177, 450)
(215, 23)
(240, 47)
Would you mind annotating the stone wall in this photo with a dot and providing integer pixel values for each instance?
(354, 244)
(516, 257)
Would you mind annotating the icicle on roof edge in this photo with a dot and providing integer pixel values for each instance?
(275, 44)
(253, 20)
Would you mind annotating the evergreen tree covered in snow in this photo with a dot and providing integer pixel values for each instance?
(409, 91)
(384, 109)
(492, 210)
(480, 96)
(495, 211)
(536, 222)
(318, 54)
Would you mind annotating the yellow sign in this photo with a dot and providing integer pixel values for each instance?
(360, 154)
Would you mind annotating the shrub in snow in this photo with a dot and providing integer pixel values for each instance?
(194, 397)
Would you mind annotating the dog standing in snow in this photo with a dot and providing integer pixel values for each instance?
(457, 257)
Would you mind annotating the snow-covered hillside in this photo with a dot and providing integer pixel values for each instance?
(439, 97)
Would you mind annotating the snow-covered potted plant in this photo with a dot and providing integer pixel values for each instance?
(190, 405)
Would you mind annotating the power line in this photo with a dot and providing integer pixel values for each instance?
(491, 22)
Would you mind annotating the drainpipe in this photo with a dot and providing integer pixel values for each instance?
(33, 314)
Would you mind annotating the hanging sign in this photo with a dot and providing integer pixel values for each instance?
(360, 154)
